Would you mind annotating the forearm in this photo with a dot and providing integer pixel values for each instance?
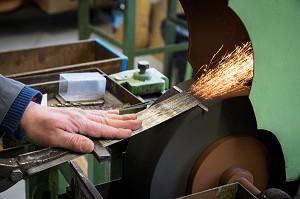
(14, 98)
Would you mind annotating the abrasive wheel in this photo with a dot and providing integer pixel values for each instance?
(158, 162)
(244, 152)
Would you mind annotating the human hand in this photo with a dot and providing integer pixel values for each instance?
(68, 127)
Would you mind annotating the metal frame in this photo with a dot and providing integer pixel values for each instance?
(86, 28)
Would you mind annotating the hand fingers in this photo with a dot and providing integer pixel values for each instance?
(118, 121)
(96, 129)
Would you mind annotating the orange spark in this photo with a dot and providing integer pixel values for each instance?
(231, 74)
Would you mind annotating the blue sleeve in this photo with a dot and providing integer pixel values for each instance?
(12, 118)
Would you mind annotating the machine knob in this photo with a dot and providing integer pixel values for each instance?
(143, 66)
(143, 74)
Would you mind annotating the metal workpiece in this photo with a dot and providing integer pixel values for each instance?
(199, 104)
(161, 112)
(79, 104)
(100, 152)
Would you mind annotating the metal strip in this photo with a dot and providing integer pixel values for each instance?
(161, 112)
(100, 152)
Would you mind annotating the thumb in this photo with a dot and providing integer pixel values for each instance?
(74, 142)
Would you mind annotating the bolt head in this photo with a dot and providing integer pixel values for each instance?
(16, 175)
(143, 65)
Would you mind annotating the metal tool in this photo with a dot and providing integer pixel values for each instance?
(15, 169)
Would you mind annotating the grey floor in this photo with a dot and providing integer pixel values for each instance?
(30, 27)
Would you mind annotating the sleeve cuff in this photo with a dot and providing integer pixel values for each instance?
(13, 117)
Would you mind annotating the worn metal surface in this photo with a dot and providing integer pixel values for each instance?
(63, 57)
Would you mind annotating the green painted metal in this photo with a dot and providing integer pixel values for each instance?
(43, 185)
(84, 19)
(274, 29)
(98, 172)
(188, 72)
(129, 32)
(155, 84)
(170, 38)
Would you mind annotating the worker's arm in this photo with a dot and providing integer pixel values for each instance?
(14, 99)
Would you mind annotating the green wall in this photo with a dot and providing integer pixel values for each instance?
(274, 29)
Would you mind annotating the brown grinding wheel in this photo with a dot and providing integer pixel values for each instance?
(231, 151)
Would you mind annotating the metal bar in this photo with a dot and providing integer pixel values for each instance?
(178, 22)
(170, 39)
(86, 187)
(104, 35)
(100, 152)
(129, 32)
(167, 48)
(83, 19)
(188, 71)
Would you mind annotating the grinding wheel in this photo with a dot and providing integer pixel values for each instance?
(231, 151)
(158, 162)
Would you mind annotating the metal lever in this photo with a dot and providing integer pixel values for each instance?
(25, 165)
